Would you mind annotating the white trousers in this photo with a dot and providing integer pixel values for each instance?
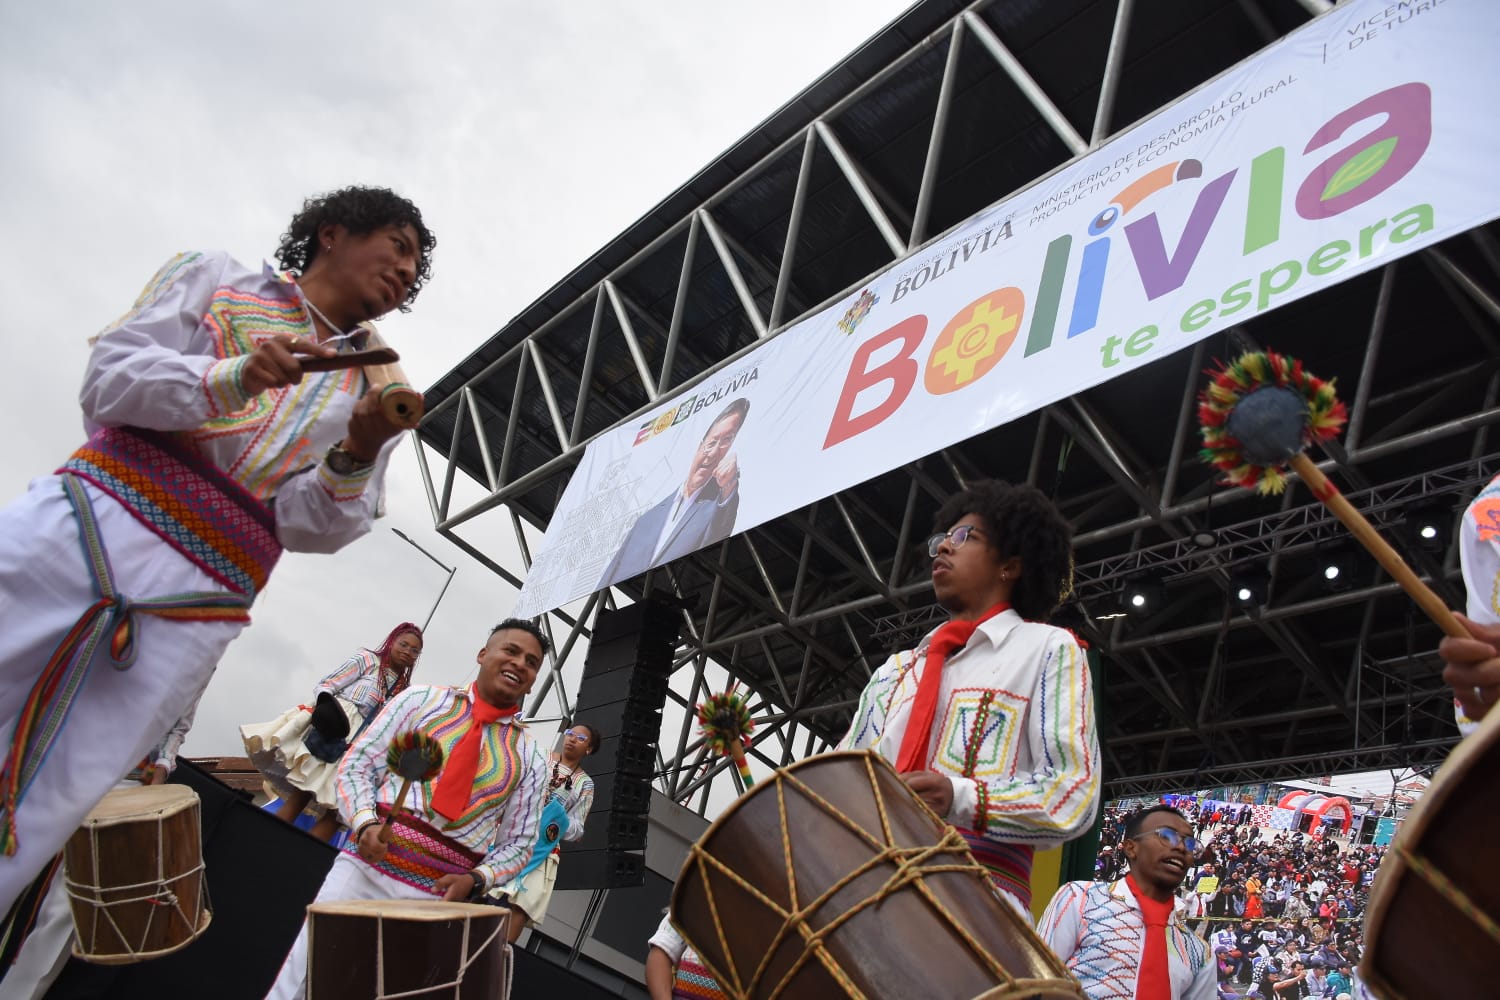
(349, 878)
(117, 716)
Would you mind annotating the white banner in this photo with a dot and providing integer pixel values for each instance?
(1367, 134)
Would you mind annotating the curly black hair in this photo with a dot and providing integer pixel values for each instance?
(1137, 819)
(359, 210)
(526, 625)
(1020, 521)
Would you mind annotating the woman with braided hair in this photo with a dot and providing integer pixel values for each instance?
(298, 751)
(570, 796)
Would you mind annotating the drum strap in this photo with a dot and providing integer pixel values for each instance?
(113, 615)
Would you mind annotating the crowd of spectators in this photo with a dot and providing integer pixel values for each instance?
(1282, 910)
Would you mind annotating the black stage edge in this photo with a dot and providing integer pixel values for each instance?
(261, 873)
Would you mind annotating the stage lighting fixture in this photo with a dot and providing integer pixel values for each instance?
(1142, 595)
(1336, 566)
(1430, 524)
(1249, 587)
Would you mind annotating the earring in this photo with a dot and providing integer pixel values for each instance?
(329, 248)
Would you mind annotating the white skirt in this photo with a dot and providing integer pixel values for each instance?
(277, 750)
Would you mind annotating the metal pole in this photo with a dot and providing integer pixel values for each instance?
(451, 570)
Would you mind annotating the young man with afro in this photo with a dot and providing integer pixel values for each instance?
(124, 575)
(990, 718)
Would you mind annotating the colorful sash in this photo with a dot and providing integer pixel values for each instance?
(112, 615)
(196, 508)
(693, 981)
(419, 854)
(1009, 864)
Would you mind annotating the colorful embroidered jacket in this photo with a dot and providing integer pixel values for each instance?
(359, 681)
(173, 364)
(1479, 553)
(1097, 931)
(495, 834)
(1014, 729)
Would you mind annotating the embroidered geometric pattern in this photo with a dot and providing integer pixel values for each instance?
(420, 855)
(165, 277)
(274, 421)
(505, 752)
(195, 508)
(1107, 953)
(984, 739)
(693, 981)
(1009, 864)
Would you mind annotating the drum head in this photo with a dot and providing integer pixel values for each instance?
(127, 805)
(405, 909)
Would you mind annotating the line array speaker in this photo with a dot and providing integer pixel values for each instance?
(621, 695)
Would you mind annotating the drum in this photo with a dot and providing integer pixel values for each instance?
(134, 875)
(1433, 924)
(377, 948)
(834, 879)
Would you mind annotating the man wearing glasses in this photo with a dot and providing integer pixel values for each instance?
(991, 719)
(1127, 939)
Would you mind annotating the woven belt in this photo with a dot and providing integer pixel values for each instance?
(113, 615)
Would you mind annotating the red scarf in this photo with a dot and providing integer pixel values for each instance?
(456, 784)
(1154, 981)
(948, 639)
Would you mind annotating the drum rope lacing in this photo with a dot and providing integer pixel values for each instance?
(910, 868)
(1449, 890)
(469, 959)
(160, 895)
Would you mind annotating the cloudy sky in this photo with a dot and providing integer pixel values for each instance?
(528, 133)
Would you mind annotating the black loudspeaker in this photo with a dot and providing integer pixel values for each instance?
(621, 696)
(261, 873)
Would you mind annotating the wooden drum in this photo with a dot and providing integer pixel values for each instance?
(134, 875)
(378, 948)
(1433, 926)
(833, 878)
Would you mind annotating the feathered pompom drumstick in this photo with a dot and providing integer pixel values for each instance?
(1258, 413)
(415, 756)
(725, 724)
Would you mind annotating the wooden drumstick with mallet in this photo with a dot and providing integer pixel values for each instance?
(401, 404)
(1258, 414)
(725, 722)
(414, 756)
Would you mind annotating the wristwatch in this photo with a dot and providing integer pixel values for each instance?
(341, 463)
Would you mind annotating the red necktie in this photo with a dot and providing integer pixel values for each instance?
(456, 784)
(1154, 981)
(948, 639)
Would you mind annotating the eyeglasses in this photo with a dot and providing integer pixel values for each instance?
(1174, 839)
(581, 735)
(957, 536)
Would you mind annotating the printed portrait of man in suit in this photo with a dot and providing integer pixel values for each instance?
(698, 513)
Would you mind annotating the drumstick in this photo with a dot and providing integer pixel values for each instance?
(414, 756)
(349, 359)
(1258, 414)
(725, 722)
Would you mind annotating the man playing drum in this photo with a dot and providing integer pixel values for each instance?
(1129, 939)
(467, 831)
(209, 453)
(991, 719)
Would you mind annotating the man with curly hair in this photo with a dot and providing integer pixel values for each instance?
(210, 451)
(991, 718)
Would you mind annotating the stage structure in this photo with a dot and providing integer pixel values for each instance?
(952, 108)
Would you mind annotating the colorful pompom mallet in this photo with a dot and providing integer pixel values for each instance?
(414, 756)
(1258, 414)
(724, 722)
